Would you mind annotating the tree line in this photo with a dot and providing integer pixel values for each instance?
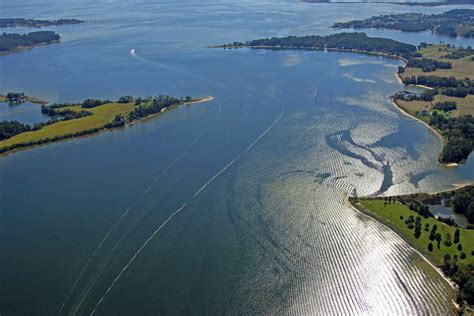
(10, 42)
(428, 65)
(21, 22)
(459, 132)
(340, 41)
(457, 22)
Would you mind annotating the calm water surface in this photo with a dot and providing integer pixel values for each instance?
(232, 206)
(26, 112)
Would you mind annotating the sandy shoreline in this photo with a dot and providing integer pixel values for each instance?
(384, 55)
(200, 100)
(441, 137)
(322, 49)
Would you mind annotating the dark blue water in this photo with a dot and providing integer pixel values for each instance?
(233, 206)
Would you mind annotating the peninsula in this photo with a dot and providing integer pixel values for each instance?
(349, 42)
(89, 117)
(21, 22)
(16, 42)
(458, 22)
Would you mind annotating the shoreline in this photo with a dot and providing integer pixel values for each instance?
(146, 118)
(95, 131)
(355, 51)
(453, 285)
(22, 48)
(440, 136)
(323, 49)
(346, 201)
(434, 130)
(421, 4)
(3, 99)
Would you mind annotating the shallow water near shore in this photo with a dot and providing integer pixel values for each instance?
(25, 112)
(231, 206)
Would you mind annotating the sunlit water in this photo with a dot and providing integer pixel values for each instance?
(232, 206)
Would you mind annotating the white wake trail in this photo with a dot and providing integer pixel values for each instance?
(181, 208)
(94, 253)
(76, 307)
(240, 155)
(136, 254)
(134, 54)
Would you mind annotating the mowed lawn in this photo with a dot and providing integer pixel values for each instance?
(389, 214)
(101, 115)
(465, 105)
(461, 68)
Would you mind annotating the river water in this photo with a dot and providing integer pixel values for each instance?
(232, 206)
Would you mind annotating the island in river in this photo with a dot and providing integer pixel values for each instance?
(458, 22)
(20, 97)
(16, 42)
(89, 117)
(12, 42)
(21, 22)
(450, 70)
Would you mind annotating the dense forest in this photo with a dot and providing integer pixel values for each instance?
(12, 128)
(449, 86)
(11, 42)
(458, 131)
(342, 41)
(460, 53)
(460, 134)
(458, 22)
(64, 115)
(156, 105)
(15, 97)
(428, 65)
(463, 202)
(20, 22)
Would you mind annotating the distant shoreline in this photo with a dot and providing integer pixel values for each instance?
(422, 4)
(22, 48)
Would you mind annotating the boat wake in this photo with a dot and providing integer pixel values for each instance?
(135, 256)
(115, 226)
(275, 121)
(134, 54)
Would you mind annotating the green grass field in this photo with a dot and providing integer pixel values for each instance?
(101, 115)
(389, 214)
(465, 105)
(461, 69)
